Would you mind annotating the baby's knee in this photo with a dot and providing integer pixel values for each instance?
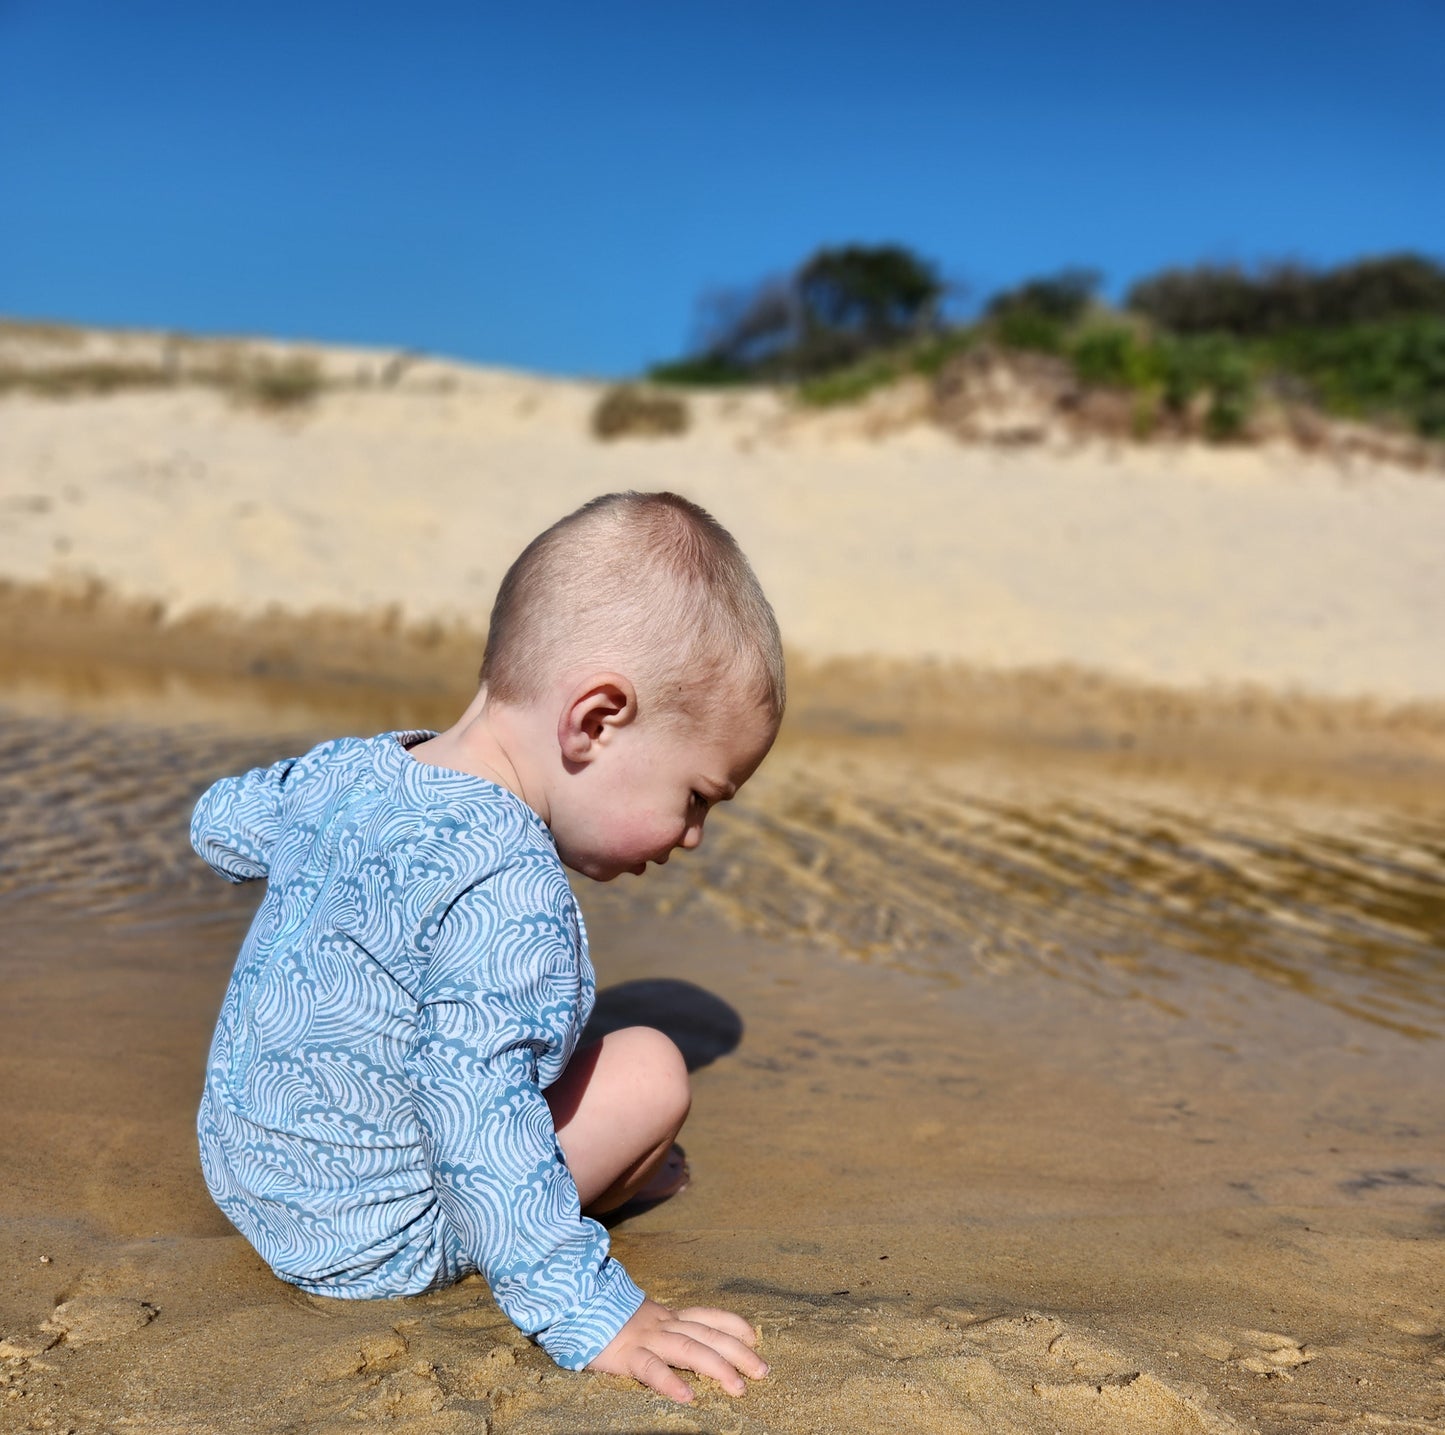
(659, 1071)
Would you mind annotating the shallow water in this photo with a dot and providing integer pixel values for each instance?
(954, 864)
(1092, 873)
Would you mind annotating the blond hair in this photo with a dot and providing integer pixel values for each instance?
(648, 584)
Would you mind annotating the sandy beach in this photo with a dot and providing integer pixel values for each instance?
(1065, 996)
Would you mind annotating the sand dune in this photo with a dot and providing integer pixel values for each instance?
(405, 490)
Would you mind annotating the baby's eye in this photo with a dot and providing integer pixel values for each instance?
(699, 801)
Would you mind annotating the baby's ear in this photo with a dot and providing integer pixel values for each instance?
(595, 709)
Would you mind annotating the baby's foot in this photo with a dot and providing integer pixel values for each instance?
(669, 1178)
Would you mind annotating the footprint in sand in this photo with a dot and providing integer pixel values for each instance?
(970, 1374)
(401, 1395)
(1262, 1352)
(359, 1355)
(89, 1320)
(350, 1381)
(894, 1337)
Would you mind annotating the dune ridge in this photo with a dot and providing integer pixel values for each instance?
(399, 497)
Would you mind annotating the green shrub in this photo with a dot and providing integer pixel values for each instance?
(1030, 330)
(1386, 370)
(1116, 356)
(1064, 297)
(705, 372)
(1282, 298)
(928, 357)
(925, 358)
(1231, 395)
(1212, 365)
(1430, 416)
(846, 386)
(1144, 420)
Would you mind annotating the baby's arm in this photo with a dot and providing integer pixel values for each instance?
(238, 819)
(617, 1108)
(499, 996)
(498, 1170)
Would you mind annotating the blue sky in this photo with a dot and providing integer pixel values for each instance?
(553, 185)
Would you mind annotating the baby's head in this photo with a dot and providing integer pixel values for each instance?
(644, 583)
(633, 636)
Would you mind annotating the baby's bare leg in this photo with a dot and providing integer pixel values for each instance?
(617, 1109)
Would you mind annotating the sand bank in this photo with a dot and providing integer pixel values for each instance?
(1183, 567)
(92, 652)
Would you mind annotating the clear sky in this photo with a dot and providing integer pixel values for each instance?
(552, 185)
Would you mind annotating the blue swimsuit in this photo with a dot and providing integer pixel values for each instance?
(373, 1119)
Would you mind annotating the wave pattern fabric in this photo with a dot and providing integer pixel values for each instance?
(373, 1119)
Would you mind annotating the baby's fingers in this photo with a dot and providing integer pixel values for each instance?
(657, 1374)
(735, 1356)
(724, 1320)
(698, 1353)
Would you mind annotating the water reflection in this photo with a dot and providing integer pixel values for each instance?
(1092, 876)
(948, 865)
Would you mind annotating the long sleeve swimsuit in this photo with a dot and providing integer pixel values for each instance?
(373, 1119)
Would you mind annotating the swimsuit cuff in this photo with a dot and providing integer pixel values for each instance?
(577, 1339)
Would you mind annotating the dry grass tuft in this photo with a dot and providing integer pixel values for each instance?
(633, 412)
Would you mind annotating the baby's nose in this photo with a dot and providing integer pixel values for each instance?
(691, 838)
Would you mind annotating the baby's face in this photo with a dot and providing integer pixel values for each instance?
(649, 791)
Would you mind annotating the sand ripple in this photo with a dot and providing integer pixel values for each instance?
(1094, 877)
(948, 870)
(95, 816)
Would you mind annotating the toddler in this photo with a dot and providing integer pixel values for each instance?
(395, 1097)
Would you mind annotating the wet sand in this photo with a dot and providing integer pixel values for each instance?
(1064, 1090)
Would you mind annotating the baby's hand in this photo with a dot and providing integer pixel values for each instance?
(710, 1342)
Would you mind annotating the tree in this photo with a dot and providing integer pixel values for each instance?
(1281, 298)
(1037, 314)
(1059, 298)
(748, 328)
(840, 305)
(856, 300)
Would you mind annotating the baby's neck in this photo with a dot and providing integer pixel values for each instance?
(477, 743)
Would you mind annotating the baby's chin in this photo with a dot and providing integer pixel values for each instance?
(604, 872)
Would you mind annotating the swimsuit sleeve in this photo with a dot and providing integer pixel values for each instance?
(238, 819)
(498, 1018)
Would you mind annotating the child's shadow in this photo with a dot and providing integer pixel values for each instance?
(704, 1026)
